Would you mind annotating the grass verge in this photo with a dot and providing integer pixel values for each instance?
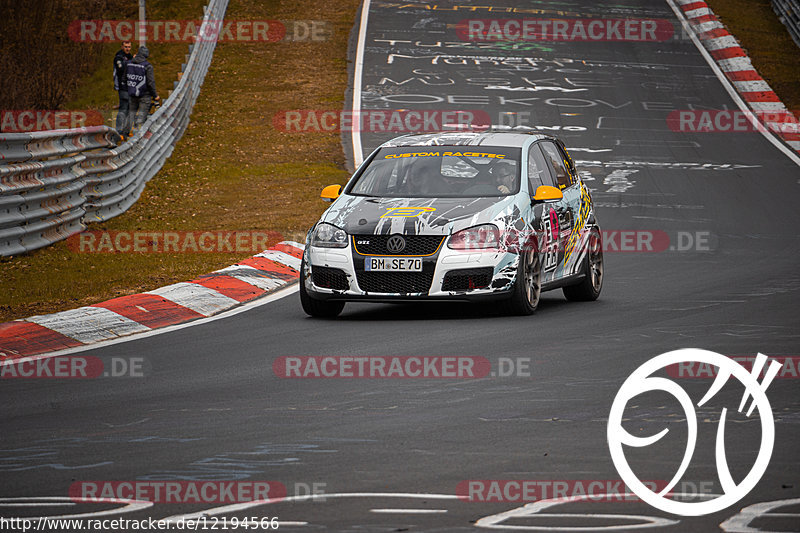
(231, 171)
(773, 52)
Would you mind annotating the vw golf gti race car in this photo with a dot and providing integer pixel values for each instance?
(455, 216)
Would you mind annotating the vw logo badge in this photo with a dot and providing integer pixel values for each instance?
(396, 243)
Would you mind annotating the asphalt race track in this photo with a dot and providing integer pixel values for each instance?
(389, 454)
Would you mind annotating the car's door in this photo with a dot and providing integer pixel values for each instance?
(555, 215)
(570, 188)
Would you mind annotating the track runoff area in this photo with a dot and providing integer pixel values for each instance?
(209, 423)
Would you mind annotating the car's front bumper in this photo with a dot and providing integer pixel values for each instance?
(448, 275)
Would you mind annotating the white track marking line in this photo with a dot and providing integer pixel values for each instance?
(735, 64)
(252, 276)
(772, 107)
(408, 511)
(358, 154)
(295, 244)
(740, 523)
(699, 12)
(63, 504)
(533, 510)
(752, 86)
(241, 308)
(196, 297)
(233, 508)
(48, 501)
(281, 257)
(720, 43)
(89, 324)
(728, 87)
(704, 27)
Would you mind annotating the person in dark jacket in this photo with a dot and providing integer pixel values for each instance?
(120, 62)
(141, 84)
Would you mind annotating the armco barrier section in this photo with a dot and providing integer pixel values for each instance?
(53, 183)
(788, 12)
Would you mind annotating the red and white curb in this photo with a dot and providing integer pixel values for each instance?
(732, 60)
(174, 304)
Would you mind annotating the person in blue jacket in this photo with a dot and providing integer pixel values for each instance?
(141, 83)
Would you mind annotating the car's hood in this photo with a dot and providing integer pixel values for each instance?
(359, 215)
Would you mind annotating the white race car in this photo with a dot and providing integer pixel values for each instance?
(455, 216)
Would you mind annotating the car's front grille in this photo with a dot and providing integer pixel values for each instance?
(329, 278)
(418, 245)
(467, 278)
(395, 282)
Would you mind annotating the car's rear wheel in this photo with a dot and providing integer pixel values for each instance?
(528, 285)
(591, 285)
(317, 308)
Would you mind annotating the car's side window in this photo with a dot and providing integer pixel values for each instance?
(538, 170)
(555, 157)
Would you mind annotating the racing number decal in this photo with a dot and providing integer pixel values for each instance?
(551, 235)
(407, 212)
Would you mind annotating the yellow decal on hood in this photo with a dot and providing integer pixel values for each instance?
(407, 212)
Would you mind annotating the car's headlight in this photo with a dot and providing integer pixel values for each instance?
(329, 236)
(484, 237)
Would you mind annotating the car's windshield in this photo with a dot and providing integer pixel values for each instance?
(440, 172)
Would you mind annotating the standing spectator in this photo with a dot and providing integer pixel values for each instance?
(141, 86)
(120, 62)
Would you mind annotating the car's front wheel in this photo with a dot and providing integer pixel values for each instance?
(317, 308)
(589, 288)
(528, 285)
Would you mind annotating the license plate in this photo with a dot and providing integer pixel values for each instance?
(392, 264)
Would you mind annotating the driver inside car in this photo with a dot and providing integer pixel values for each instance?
(504, 175)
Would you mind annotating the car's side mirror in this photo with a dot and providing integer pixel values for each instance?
(331, 193)
(545, 193)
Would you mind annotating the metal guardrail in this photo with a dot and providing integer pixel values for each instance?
(788, 12)
(53, 183)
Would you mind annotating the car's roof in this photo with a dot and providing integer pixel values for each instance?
(459, 138)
